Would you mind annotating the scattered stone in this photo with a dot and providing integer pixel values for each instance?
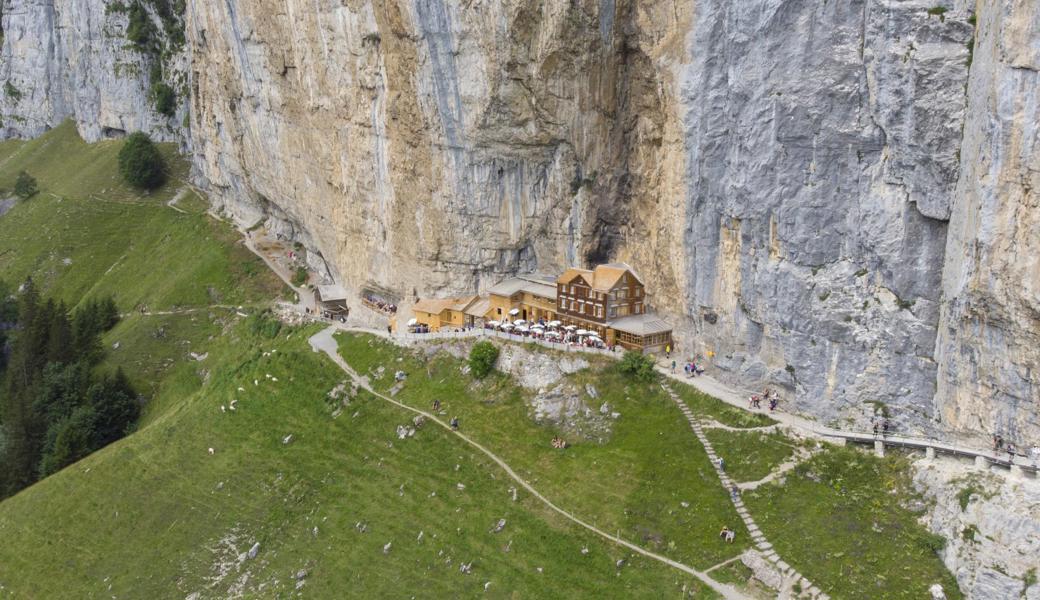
(314, 531)
(487, 585)
(254, 550)
(300, 584)
(418, 421)
(400, 376)
(499, 526)
(591, 391)
(362, 527)
(220, 485)
(211, 451)
(937, 592)
(615, 415)
(620, 563)
(466, 568)
(460, 486)
(419, 539)
(604, 409)
(199, 357)
(684, 504)
(584, 550)
(301, 574)
(287, 439)
(386, 548)
(115, 346)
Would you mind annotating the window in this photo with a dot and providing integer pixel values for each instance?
(622, 310)
(623, 293)
(499, 311)
(599, 311)
(613, 311)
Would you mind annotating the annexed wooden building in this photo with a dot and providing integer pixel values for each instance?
(438, 313)
(331, 300)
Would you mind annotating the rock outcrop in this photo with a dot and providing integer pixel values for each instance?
(64, 59)
(826, 197)
(992, 528)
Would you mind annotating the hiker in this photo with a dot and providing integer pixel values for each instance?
(724, 534)
(668, 351)
(772, 404)
(389, 330)
(875, 427)
(1011, 451)
(751, 400)
(454, 423)
(673, 366)
(734, 492)
(885, 426)
(722, 464)
(436, 405)
(686, 369)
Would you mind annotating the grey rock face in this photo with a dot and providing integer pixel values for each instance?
(822, 143)
(70, 59)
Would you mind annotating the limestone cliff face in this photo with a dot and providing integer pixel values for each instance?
(65, 59)
(989, 334)
(815, 192)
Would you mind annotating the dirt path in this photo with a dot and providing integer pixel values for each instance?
(176, 198)
(326, 343)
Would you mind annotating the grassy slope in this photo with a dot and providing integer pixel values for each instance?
(148, 514)
(750, 456)
(634, 483)
(85, 233)
(838, 518)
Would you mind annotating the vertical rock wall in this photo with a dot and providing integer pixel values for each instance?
(989, 333)
(65, 59)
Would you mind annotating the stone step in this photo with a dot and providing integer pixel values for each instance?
(773, 557)
(783, 566)
(764, 545)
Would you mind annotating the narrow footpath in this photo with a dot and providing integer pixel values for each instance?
(791, 576)
(324, 341)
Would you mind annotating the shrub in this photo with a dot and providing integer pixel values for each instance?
(265, 324)
(637, 365)
(482, 359)
(301, 276)
(12, 92)
(25, 186)
(140, 162)
(140, 30)
(164, 99)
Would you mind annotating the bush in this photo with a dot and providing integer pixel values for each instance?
(140, 162)
(164, 99)
(265, 324)
(637, 365)
(25, 186)
(482, 359)
(140, 30)
(301, 276)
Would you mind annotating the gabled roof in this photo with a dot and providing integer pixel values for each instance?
(436, 306)
(644, 324)
(479, 309)
(536, 285)
(602, 278)
(330, 293)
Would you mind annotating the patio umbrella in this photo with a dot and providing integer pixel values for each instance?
(582, 332)
(523, 329)
(554, 323)
(412, 322)
(520, 322)
(494, 323)
(507, 326)
(514, 311)
(570, 328)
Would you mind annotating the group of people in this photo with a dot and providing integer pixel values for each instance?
(771, 396)
(558, 442)
(727, 534)
(692, 369)
(881, 426)
(1001, 445)
(379, 304)
(453, 423)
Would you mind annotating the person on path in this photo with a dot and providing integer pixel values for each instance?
(885, 426)
(734, 492)
(875, 427)
(436, 405)
(673, 366)
(722, 464)
(454, 423)
(389, 330)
